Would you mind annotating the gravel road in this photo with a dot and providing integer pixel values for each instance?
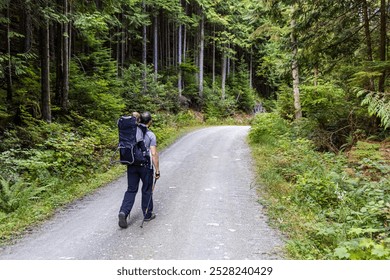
(205, 202)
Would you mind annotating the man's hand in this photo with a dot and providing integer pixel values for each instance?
(157, 175)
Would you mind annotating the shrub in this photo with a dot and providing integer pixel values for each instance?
(267, 128)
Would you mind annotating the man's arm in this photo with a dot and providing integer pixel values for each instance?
(155, 160)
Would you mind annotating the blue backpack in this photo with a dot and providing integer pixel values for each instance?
(131, 152)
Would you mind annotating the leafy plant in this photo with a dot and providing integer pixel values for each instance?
(378, 104)
(14, 194)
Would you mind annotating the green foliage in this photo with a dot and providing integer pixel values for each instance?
(17, 193)
(378, 105)
(366, 150)
(96, 95)
(238, 88)
(331, 207)
(158, 96)
(216, 107)
(267, 128)
(92, 26)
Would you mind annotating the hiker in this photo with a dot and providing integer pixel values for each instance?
(143, 172)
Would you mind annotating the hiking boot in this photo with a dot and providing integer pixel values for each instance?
(152, 216)
(122, 220)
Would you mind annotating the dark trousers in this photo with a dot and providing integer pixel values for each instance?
(134, 175)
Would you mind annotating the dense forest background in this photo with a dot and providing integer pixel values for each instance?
(70, 68)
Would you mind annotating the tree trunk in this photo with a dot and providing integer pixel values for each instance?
(368, 38)
(316, 74)
(251, 70)
(123, 46)
(179, 58)
(28, 28)
(214, 59)
(144, 41)
(62, 59)
(8, 72)
(45, 70)
(201, 55)
(66, 59)
(117, 47)
(59, 59)
(169, 45)
(155, 48)
(382, 43)
(223, 74)
(295, 73)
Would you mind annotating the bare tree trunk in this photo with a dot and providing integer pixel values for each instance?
(59, 59)
(155, 47)
(117, 47)
(316, 74)
(28, 28)
(123, 46)
(185, 44)
(368, 38)
(251, 70)
(201, 55)
(169, 45)
(214, 59)
(8, 72)
(179, 58)
(228, 65)
(66, 59)
(295, 73)
(382, 43)
(223, 74)
(144, 62)
(45, 71)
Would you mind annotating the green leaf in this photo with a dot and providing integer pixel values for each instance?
(356, 231)
(341, 253)
(379, 251)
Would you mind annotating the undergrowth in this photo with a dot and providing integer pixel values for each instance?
(330, 206)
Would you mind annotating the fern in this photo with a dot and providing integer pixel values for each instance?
(17, 194)
(378, 104)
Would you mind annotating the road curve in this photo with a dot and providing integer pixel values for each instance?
(205, 202)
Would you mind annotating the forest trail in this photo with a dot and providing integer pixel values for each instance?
(205, 202)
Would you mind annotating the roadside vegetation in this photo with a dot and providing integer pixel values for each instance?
(329, 206)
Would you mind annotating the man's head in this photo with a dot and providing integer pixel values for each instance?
(137, 116)
(146, 118)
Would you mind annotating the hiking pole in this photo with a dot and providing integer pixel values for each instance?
(150, 199)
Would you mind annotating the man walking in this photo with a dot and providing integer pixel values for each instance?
(143, 172)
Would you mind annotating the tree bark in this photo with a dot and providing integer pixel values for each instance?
(223, 74)
(201, 55)
(144, 41)
(179, 58)
(8, 72)
(214, 59)
(65, 60)
(118, 46)
(62, 59)
(155, 47)
(28, 28)
(123, 46)
(251, 70)
(382, 43)
(59, 57)
(316, 74)
(368, 38)
(45, 70)
(295, 73)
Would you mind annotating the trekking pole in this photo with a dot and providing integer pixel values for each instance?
(150, 199)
